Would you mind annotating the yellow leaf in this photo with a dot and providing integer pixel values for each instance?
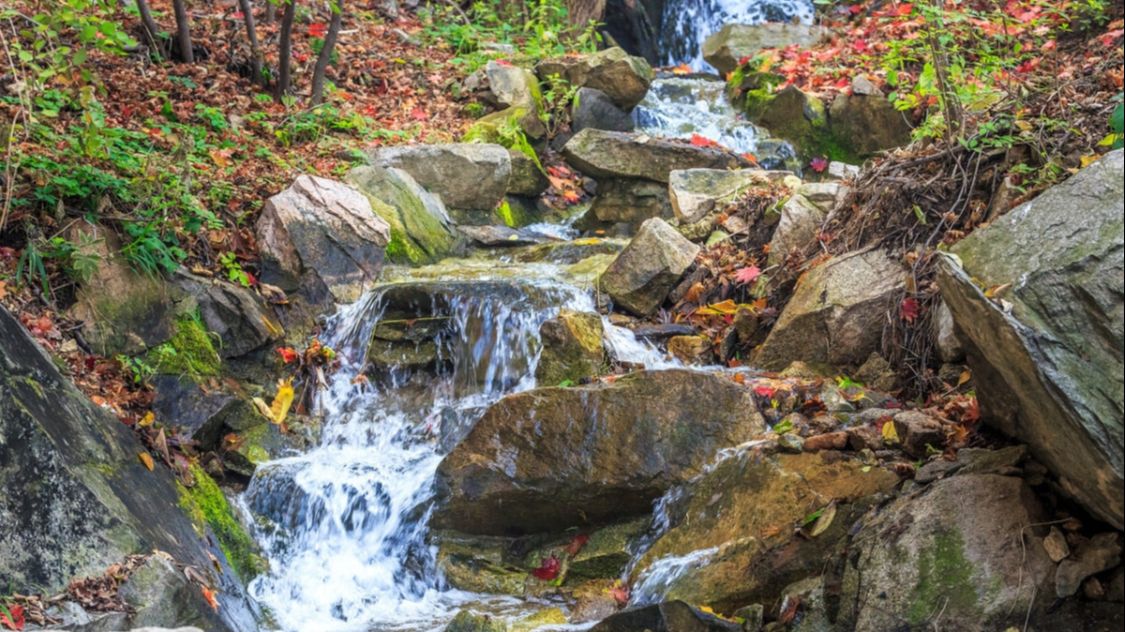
(263, 408)
(964, 377)
(146, 460)
(279, 409)
(220, 157)
(147, 420)
(890, 435)
(1087, 159)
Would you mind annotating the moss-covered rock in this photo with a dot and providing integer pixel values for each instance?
(208, 508)
(954, 551)
(419, 230)
(624, 78)
(469, 621)
(189, 352)
(572, 348)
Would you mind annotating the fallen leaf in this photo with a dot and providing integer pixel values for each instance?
(890, 434)
(548, 569)
(576, 544)
(910, 309)
(747, 275)
(288, 354)
(279, 409)
(146, 460)
(12, 617)
(147, 420)
(209, 595)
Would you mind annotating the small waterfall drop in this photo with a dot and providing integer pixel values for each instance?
(686, 23)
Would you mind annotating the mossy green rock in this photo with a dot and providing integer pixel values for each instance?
(210, 511)
(77, 498)
(469, 621)
(743, 512)
(734, 42)
(1048, 368)
(572, 348)
(955, 552)
(480, 564)
(867, 124)
(628, 155)
(800, 118)
(467, 176)
(419, 230)
(551, 458)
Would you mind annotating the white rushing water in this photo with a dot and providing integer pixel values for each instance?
(344, 526)
(687, 23)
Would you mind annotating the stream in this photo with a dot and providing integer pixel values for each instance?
(345, 525)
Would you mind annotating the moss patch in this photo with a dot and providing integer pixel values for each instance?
(206, 505)
(944, 580)
(190, 351)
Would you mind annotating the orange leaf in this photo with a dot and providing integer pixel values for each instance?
(209, 595)
(146, 460)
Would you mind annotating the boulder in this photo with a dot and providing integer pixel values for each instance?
(868, 123)
(797, 228)
(696, 192)
(469, 621)
(419, 225)
(671, 616)
(324, 230)
(953, 552)
(691, 349)
(1046, 353)
(593, 109)
(516, 89)
(643, 274)
(823, 195)
(572, 348)
(630, 201)
(724, 48)
(77, 497)
(603, 154)
(237, 316)
(741, 514)
(836, 313)
(160, 595)
(552, 458)
(800, 118)
(467, 176)
(528, 178)
(622, 77)
(122, 311)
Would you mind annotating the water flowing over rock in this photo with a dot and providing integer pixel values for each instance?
(467, 176)
(622, 77)
(734, 42)
(550, 458)
(685, 24)
(955, 549)
(1046, 352)
(641, 277)
(77, 499)
(733, 511)
(603, 154)
(837, 312)
(324, 230)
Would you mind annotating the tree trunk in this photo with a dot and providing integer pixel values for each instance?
(580, 12)
(183, 31)
(271, 11)
(285, 49)
(252, 37)
(152, 31)
(325, 56)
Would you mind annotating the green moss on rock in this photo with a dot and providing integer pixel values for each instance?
(944, 579)
(190, 351)
(207, 507)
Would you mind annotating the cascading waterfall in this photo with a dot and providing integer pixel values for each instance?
(686, 23)
(344, 526)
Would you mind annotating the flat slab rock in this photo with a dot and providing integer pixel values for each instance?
(606, 154)
(551, 458)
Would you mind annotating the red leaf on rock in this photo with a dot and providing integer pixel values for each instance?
(702, 141)
(16, 621)
(288, 354)
(818, 164)
(548, 569)
(576, 544)
(765, 391)
(910, 309)
(747, 275)
(620, 593)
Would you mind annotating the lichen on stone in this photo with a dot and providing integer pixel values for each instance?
(190, 352)
(207, 507)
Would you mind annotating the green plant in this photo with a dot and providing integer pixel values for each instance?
(137, 367)
(233, 268)
(1116, 137)
(190, 352)
(554, 106)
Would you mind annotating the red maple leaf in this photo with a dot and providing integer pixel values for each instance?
(702, 141)
(418, 114)
(910, 309)
(318, 29)
(818, 164)
(548, 569)
(747, 275)
(288, 354)
(16, 621)
(620, 593)
(765, 391)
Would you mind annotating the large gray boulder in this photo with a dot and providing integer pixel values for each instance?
(420, 227)
(467, 176)
(671, 616)
(552, 458)
(796, 229)
(324, 230)
(238, 317)
(77, 498)
(629, 201)
(621, 76)
(643, 274)
(724, 48)
(1046, 350)
(594, 109)
(697, 192)
(604, 154)
(837, 312)
(961, 552)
